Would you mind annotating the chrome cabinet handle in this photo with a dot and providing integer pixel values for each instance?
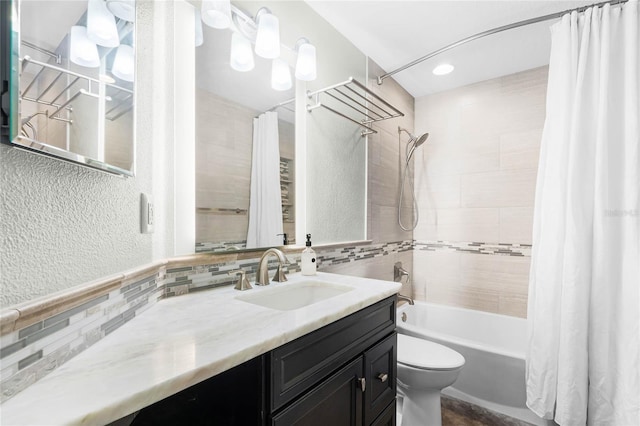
(383, 377)
(363, 383)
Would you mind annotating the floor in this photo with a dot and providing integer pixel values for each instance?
(460, 413)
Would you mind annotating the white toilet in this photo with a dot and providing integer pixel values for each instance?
(424, 369)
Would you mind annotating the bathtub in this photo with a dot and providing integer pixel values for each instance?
(493, 347)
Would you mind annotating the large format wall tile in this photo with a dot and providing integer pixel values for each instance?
(475, 181)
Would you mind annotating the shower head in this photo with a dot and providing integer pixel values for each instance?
(420, 140)
(414, 141)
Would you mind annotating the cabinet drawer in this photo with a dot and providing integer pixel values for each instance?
(336, 402)
(298, 365)
(380, 373)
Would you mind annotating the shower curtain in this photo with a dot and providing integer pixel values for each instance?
(583, 359)
(265, 203)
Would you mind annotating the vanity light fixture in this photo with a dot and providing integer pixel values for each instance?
(263, 31)
(241, 57)
(268, 36)
(82, 51)
(443, 69)
(123, 9)
(199, 38)
(280, 75)
(306, 62)
(101, 24)
(123, 63)
(216, 13)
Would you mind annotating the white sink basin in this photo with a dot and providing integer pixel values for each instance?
(295, 295)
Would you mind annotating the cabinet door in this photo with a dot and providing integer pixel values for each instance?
(336, 402)
(388, 416)
(298, 365)
(380, 374)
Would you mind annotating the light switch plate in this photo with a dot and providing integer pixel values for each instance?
(146, 214)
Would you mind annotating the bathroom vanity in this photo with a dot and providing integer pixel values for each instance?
(341, 374)
(224, 356)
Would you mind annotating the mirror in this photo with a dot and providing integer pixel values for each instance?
(228, 103)
(330, 169)
(71, 68)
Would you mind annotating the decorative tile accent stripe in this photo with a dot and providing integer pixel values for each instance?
(327, 258)
(223, 246)
(184, 280)
(34, 351)
(499, 249)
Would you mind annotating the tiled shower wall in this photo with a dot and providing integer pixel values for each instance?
(475, 179)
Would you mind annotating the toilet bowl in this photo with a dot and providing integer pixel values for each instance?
(424, 369)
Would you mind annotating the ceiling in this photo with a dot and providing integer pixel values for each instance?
(394, 33)
(49, 21)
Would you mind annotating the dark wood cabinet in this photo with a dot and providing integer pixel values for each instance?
(357, 394)
(380, 375)
(337, 401)
(343, 374)
(388, 416)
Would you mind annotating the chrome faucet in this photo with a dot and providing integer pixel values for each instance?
(262, 277)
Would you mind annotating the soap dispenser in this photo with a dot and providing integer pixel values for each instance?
(308, 259)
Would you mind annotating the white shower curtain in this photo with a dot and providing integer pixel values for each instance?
(583, 360)
(265, 204)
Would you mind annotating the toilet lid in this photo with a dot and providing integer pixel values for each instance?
(421, 353)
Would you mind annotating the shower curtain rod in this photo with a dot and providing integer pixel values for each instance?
(494, 31)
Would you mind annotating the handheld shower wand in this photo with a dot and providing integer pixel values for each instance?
(413, 143)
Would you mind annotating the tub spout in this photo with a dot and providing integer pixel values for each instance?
(405, 298)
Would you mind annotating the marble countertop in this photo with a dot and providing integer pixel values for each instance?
(175, 344)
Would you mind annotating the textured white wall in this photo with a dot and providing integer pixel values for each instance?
(336, 175)
(62, 224)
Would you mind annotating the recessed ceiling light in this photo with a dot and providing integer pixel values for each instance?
(443, 69)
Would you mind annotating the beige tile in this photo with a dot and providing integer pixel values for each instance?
(481, 119)
(380, 268)
(520, 150)
(515, 306)
(386, 228)
(464, 298)
(437, 192)
(512, 188)
(426, 230)
(438, 160)
(516, 225)
(434, 270)
(467, 224)
(507, 275)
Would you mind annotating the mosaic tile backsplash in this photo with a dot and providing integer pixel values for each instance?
(32, 352)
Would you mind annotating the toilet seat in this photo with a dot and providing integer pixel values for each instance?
(423, 354)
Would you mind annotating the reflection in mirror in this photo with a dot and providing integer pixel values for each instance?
(244, 147)
(76, 76)
(328, 167)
